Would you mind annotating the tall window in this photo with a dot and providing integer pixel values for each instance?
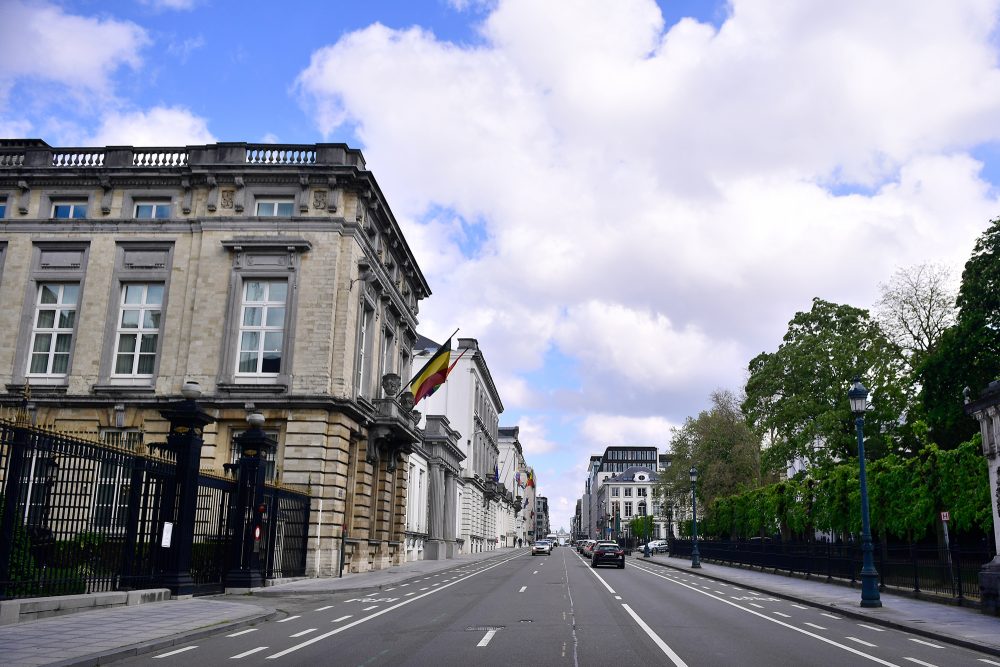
(3, 207)
(52, 335)
(628, 492)
(69, 209)
(152, 210)
(364, 342)
(274, 207)
(628, 510)
(614, 491)
(262, 327)
(138, 329)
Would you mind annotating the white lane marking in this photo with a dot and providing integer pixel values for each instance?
(594, 572)
(390, 589)
(376, 614)
(754, 604)
(401, 585)
(921, 641)
(799, 606)
(676, 659)
(836, 618)
(778, 613)
(425, 588)
(870, 627)
(813, 625)
(862, 642)
(242, 632)
(290, 618)
(849, 649)
(409, 594)
(989, 662)
(342, 618)
(250, 652)
(486, 638)
(304, 632)
(374, 606)
(180, 650)
(523, 588)
(920, 662)
(535, 572)
(437, 584)
(329, 606)
(618, 597)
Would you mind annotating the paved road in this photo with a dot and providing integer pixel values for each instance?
(556, 610)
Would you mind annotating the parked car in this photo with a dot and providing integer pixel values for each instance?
(543, 547)
(656, 547)
(607, 553)
(586, 547)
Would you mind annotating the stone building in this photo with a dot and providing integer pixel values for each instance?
(275, 276)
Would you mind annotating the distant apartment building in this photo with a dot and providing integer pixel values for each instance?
(615, 460)
(542, 527)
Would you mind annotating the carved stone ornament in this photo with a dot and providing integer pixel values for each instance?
(391, 384)
(319, 199)
(227, 198)
(406, 401)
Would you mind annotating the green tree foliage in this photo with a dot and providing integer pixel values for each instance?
(641, 527)
(968, 354)
(796, 397)
(906, 496)
(723, 448)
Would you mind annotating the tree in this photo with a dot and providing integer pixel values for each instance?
(723, 448)
(968, 354)
(796, 397)
(916, 307)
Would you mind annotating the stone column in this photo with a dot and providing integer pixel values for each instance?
(987, 410)
(450, 512)
(437, 499)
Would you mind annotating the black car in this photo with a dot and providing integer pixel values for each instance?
(607, 553)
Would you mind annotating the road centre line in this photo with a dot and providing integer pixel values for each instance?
(676, 659)
(376, 614)
(486, 638)
(920, 662)
(242, 632)
(180, 650)
(771, 619)
(250, 652)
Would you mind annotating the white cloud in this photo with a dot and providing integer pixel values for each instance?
(159, 126)
(41, 41)
(177, 5)
(607, 430)
(533, 437)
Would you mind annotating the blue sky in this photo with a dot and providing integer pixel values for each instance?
(623, 201)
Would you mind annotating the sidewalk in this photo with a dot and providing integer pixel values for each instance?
(99, 637)
(947, 623)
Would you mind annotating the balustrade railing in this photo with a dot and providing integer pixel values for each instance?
(277, 154)
(79, 157)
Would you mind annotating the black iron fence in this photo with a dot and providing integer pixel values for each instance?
(80, 516)
(951, 573)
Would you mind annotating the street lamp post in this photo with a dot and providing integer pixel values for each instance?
(858, 397)
(695, 556)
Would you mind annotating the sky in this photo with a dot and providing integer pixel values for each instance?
(623, 201)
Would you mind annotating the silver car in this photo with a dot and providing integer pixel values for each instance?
(543, 547)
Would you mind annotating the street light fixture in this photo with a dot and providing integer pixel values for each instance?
(858, 396)
(695, 556)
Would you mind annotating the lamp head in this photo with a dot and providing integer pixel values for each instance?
(693, 474)
(190, 390)
(858, 397)
(255, 419)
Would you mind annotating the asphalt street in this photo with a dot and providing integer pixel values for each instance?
(556, 610)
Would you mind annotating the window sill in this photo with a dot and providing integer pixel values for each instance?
(38, 388)
(114, 387)
(249, 388)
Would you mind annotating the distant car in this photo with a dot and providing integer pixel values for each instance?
(658, 546)
(543, 547)
(586, 546)
(607, 553)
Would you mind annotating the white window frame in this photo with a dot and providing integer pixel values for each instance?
(628, 491)
(365, 331)
(614, 491)
(157, 206)
(275, 203)
(141, 331)
(263, 328)
(77, 209)
(59, 307)
(628, 510)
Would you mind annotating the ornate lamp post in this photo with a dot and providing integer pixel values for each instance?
(695, 556)
(858, 397)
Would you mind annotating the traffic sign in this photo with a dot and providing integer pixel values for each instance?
(945, 516)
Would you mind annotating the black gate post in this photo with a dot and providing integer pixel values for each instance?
(12, 503)
(247, 519)
(187, 421)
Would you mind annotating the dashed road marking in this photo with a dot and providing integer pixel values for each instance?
(250, 652)
(836, 618)
(862, 642)
(870, 627)
(486, 638)
(329, 606)
(374, 606)
(754, 604)
(303, 633)
(921, 641)
(920, 662)
(180, 650)
(778, 613)
(290, 618)
(390, 589)
(408, 594)
(242, 632)
(813, 625)
(342, 618)
(989, 662)
(800, 606)
(523, 588)
(425, 588)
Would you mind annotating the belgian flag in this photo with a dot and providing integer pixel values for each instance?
(433, 374)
